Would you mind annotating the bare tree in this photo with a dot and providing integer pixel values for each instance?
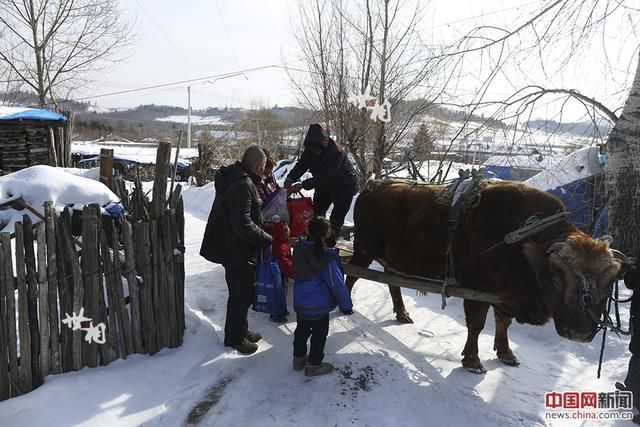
(52, 47)
(559, 35)
(264, 127)
(623, 173)
(351, 46)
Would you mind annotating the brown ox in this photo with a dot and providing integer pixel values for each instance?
(559, 273)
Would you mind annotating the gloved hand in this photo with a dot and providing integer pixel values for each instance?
(347, 312)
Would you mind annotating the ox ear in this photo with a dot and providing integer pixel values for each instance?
(537, 257)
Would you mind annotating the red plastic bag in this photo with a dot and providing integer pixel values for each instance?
(300, 213)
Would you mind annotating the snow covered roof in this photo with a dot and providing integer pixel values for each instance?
(38, 184)
(21, 113)
(580, 164)
(132, 152)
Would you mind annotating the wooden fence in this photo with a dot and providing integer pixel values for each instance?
(67, 301)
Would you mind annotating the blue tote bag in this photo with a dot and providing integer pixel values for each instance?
(269, 295)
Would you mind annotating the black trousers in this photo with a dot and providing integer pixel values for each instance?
(241, 282)
(318, 331)
(632, 381)
(341, 199)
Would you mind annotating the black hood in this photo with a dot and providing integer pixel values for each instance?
(316, 136)
(227, 175)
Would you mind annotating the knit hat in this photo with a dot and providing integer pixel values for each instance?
(316, 136)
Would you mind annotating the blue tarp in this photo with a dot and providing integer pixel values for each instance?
(584, 201)
(496, 171)
(35, 114)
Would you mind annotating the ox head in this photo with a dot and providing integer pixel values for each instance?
(576, 277)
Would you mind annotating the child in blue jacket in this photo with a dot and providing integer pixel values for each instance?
(317, 289)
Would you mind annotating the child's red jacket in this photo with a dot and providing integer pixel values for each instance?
(281, 247)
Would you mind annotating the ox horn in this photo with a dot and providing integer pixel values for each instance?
(619, 255)
(556, 247)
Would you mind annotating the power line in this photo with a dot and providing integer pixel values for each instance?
(164, 35)
(224, 25)
(181, 82)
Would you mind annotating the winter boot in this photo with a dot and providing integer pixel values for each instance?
(320, 369)
(278, 318)
(253, 336)
(246, 347)
(299, 362)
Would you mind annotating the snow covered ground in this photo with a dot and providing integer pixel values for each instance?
(387, 374)
(195, 120)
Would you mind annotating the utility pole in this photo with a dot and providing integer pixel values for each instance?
(188, 116)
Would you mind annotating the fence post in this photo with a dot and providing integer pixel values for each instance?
(9, 293)
(113, 345)
(132, 280)
(179, 221)
(5, 392)
(78, 293)
(43, 300)
(169, 286)
(106, 166)
(52, 276)
(160, 182)
(24, 370)
(65, 288)
(122, 314)
(159, 282)
(32, 298)
(143, 266)
(92, 282)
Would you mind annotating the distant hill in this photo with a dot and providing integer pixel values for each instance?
(142, 121)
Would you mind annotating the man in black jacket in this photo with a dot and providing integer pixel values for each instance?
(234, 237)
(334, 178)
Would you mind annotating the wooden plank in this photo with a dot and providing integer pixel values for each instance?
(32, 298)
(106, 166)
(78, 293)
(425, 285)
(5, 390)
(106, 350)
(143, 266)
(65, 290)
(162, 172)
(113, 341)
(170, 290)
(124, 325)
(52, 279)
(25, 380)
(43, 299)
(10, 298)
(53, 153)
(175, 197)
(175, 164)
(92, 286)
(178, 274)
(132, 283)
(159, 287)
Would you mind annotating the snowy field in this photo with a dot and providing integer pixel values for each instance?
(195, 120)
(387, 374)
